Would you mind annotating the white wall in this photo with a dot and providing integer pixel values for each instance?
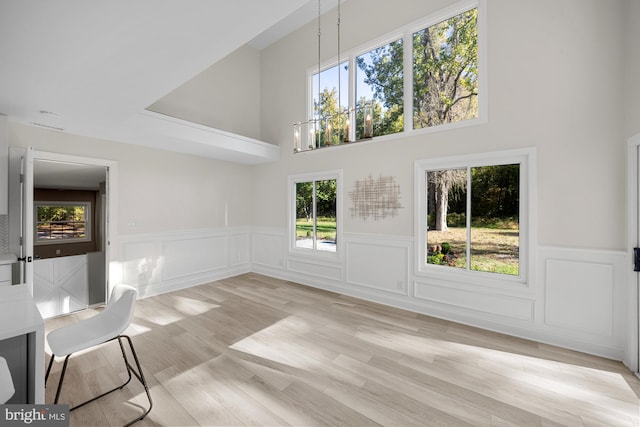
(211, 100)
(555, 79)
(182, 220)
(631, 68)
(158, 190)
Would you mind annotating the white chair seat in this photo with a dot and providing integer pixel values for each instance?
(85, 334)
(95, 330)
(105, 326)
(6, 383)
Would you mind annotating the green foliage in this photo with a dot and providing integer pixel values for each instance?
(494, 250)
(495, 191)
(325, 228)
(51, 213)
(304, 199)
(383, 73)
(325, 196)
(437, 258)
(446, 248)
(332, 130)
(445, 82)
(446, 71)
(506, 223)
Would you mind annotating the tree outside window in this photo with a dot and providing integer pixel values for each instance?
(445, 71)
(316, 215)
(473, 218)
(325, 88)
(62, 222)
(380, 83)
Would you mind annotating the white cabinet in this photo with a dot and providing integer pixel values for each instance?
(5, 275)
(4, 165)
(6, 262)
(60, 285)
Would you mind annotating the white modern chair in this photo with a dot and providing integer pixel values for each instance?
(108, 325)
(6, 383)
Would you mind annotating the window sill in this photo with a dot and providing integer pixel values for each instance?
(477, 280)
(401, 135)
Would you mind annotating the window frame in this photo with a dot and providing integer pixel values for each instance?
(526, 158)
(406, 34)
(87, 220)
(291, 220)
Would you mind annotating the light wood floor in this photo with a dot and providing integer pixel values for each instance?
(253, 350)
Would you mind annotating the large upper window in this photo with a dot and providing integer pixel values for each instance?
(62, 222)
(316, 215)
(328, 86)
(379, 83)
(445, 71)
(474, 213)
(380, 95)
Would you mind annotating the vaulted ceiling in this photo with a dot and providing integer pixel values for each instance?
(92, 67)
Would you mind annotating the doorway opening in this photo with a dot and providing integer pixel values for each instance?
(66, 203)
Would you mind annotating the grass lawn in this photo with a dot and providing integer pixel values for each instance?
(492, 250)
(325, 227)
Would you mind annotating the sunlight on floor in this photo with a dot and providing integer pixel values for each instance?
(179, 309)
(280, 342)
(550, 381)
(192, 307)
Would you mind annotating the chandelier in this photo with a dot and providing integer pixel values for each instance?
(325, 130)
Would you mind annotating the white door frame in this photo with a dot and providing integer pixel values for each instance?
(632, 353)
(111, 246)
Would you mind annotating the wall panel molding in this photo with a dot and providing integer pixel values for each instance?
(583, 294)
(577, 300)
(156, 263)
(382, 265)
(482, 303)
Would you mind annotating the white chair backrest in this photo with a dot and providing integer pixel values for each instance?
(121, 305)
(6, 383)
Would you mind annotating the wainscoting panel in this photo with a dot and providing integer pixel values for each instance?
(141, 264)
(239, 249)
(482, 302)
(584, 294)
(377, 263)
(268, 248)
(323, 270)
(196, 255)
(579, 296)
(161, 262)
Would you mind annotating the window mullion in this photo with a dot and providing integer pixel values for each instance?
(407, 67)
(468, 219)
(352, 97)
(315, 218)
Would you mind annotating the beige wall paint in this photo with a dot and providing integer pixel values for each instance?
(224, 96)
(555, 83)
(631, 68)
(158, 191)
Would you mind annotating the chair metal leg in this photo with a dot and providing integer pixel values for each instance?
(46, 377)
(130, 370)
(64, 370)
(138, 374)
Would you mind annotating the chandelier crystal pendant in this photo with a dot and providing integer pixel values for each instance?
(324, 130)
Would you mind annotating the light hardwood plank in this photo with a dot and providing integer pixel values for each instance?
(255, 350)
